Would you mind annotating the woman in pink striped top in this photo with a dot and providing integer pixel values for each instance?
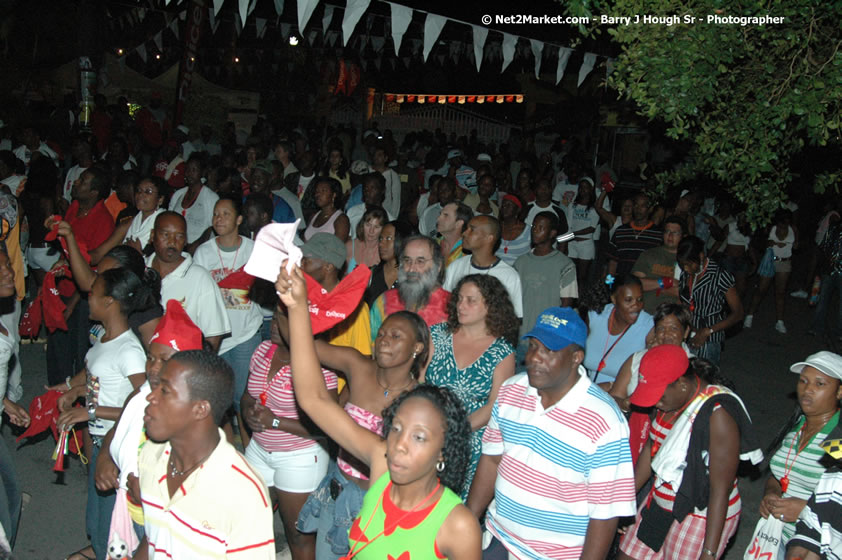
(290, 458)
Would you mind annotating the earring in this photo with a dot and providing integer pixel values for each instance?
(414, 354)
(440, 466)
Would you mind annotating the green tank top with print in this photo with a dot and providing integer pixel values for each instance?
(412, 538)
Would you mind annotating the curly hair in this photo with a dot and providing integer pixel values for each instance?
(456, 451)
(501, 320)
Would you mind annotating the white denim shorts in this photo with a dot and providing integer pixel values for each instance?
(298, 471)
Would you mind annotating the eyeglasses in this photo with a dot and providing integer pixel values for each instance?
(144, 191)
(409, 261)
(386, 238)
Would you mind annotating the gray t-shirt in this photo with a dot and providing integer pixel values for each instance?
(546, 279)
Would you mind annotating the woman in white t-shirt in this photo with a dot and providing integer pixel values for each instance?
(114, 367)
(782, 239)
(195, 201)
(582, 220)
(221, 256)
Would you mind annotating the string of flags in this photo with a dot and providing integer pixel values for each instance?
(505, 50)
(449, 98)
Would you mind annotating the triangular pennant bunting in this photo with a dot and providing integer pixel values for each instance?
(537, 50)
(244, 11)
(217, 4)
(174, 29)
(587, 66)
(563, 56)
(327, 18)
(158, 41)
(305, 10)
(260, 26)
(509, 44)
(480, 35)
(141, 51)
(279, 7)
(354, 10)
(401, 16)
(432, 30)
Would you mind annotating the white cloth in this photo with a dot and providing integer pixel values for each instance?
(427, 220)
(392, 203)
(507, 275)
(735, 236)
(199, 216)
(125, 444)
(243, 314)
(72, 174)
(141, 229)
(192, 285)
(25, 154)
(784, 252)
(304, 184)
(109, 366)
(670, 461)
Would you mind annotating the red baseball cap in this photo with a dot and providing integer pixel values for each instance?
(659, 367)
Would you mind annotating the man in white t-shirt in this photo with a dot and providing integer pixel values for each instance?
(82, 154)
(32, 143)
(183, 280)
(481, 237)
(374, 193)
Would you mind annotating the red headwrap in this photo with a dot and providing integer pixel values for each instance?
(328, 309)
(513, 199)
(177, 330)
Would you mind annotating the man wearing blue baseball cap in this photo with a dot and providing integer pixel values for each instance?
(556, 454)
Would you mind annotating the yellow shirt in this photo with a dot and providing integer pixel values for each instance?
(222, 510)
(353, 332)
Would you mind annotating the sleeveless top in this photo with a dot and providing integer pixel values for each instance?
(347, 463)
(414, 537)
(784, 252)
(327, 227)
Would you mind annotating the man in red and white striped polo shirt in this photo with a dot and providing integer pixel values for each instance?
(201, 499)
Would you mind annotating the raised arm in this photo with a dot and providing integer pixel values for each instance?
(83, 275)
(308, 381)
(116, 238)
(337, 358)
(607, 217)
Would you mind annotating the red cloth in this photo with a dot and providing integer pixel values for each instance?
(48, 305)
(639, 425)
(176, 180)
(43, 414)
(237, 280)
(328, 309)
(177, 330)
(151, 130)
(434, 312)
(92, 229)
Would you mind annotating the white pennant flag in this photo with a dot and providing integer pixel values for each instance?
(509, 44)
(354, 10)
(141, 14)
(260, 25)
(401, 16)
(285, 29)
(174, 28)
(305, 10)
(587, 66)
(141, 51)
(563, 56)
(215, 26)
(480, 35)
(238, 24)
(432, 30)
(327, 18)
(158, 42)
(244, 10)
(330, 38)
(406, 60)
(217, 4)
(182, 15)
(311, 36)
(279, 7)
(211, 17)
(537, 50)
(377, 43)
(252, 6)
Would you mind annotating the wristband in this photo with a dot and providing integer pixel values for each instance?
(67, 382)
(276, 422)
(709, 552)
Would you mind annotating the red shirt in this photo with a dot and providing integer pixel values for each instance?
(93, 228)
(434, 312)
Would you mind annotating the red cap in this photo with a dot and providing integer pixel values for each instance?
(659, 367)
(513, 199)
(177, 330)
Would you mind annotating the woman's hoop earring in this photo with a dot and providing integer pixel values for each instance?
(440, 466)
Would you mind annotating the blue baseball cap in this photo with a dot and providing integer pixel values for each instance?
(559, 327)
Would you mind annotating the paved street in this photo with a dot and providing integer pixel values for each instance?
(53, 523)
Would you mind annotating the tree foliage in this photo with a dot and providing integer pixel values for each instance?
(749, 97)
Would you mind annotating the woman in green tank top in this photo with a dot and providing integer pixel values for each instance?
(411, 511)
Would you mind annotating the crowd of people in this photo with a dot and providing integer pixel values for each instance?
(530, 371)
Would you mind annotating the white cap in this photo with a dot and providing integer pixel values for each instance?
(684, 193)
(826, 362)
(454, 153)
(483, 157)
(183, 129)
